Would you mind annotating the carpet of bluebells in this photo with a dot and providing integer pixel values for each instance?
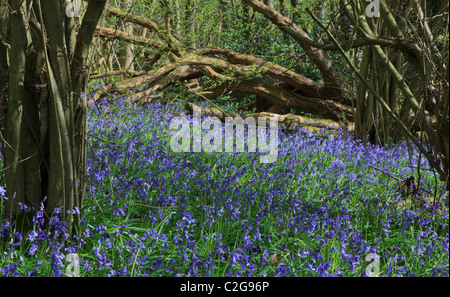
(319, 210)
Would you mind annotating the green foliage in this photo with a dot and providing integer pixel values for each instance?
(227, 27)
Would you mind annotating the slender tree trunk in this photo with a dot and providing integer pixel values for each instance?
(247, 15)
(22, 128)
(190, 22)
(383, 73)
(224, 15)
(4, 65)
(14, 172)
(79, 75)
(285, 8)
(4, 46)
(294, 9)
(126, 53)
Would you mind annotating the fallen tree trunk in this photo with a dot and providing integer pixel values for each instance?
(304, 86)
(117, 72)
(286, 99)
(241, 81)
(287, 122)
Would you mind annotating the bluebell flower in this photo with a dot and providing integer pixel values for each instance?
(10, 269)
(158, 263)
(32, 235)
(3, 193)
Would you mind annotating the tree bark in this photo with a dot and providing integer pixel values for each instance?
(4, 65)
(126, 54)
(14, 173)
(44, 137)
(190, 22)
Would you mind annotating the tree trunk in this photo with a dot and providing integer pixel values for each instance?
(294, 9)
(382, 72)
(15, 122)
(285, 8)
(126, 53)
(190, 22)
(4, 46)
(177, 26)
(44, 133)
